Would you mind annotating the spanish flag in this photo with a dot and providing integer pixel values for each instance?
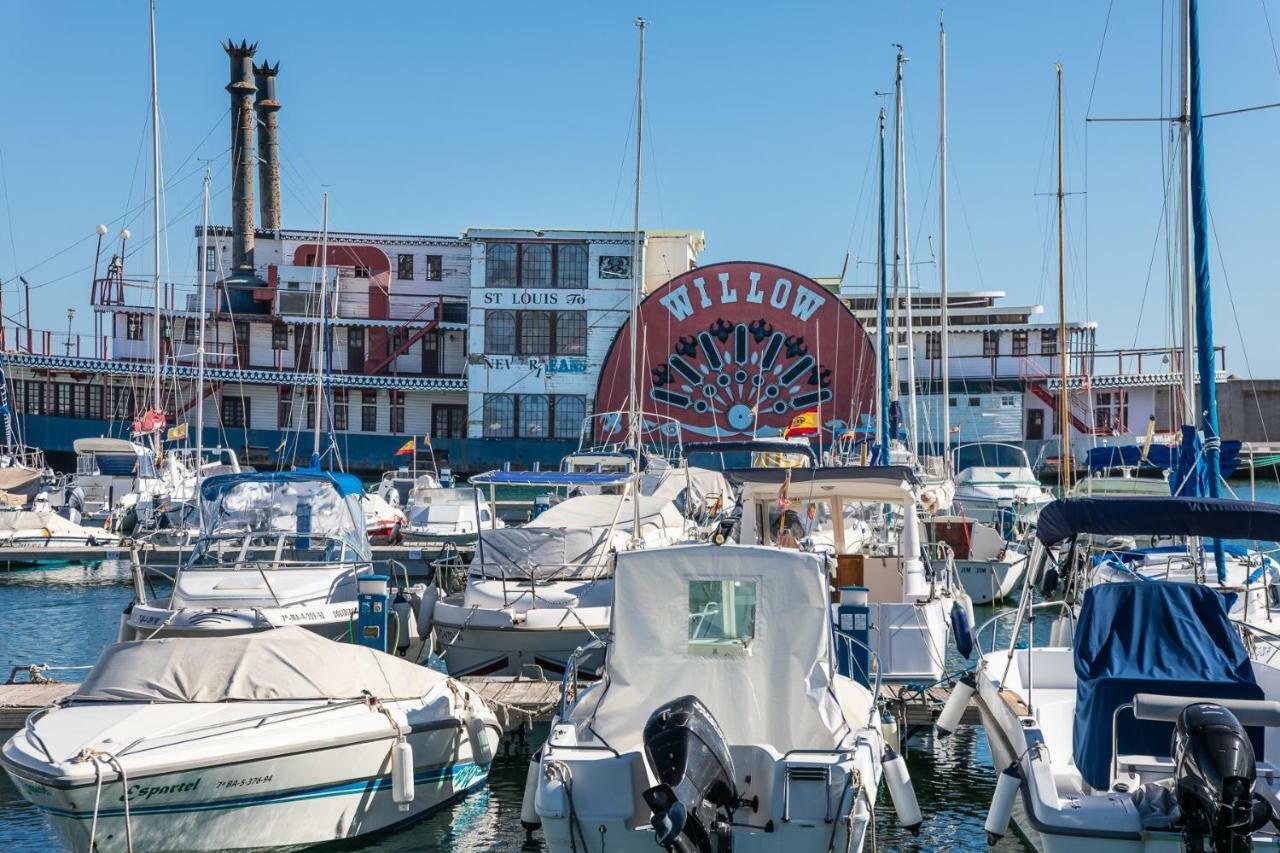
(177, 433)
(406, 448)
(805, 423)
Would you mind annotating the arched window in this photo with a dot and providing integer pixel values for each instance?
(571, 333)
(535, 333)
(533, 416)
(500, 265)
(569, 414)
(499, 416)
(535, 265)
(571, 266)
(500, 332)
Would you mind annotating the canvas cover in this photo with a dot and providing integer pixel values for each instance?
(1168, 639)
(1159, 516)
(779, 694)
(285, 664)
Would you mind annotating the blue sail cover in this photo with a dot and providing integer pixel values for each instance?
(1159, 456)
(1150, 515)
(1170, 639)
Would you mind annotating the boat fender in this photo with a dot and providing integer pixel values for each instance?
(407, 624)
(967, 602)
(402, 775)
(427, 610)
(961, 629)
(901, 792)
(1002, 803)
(1050, 583)
(484, 745)
(889, 730)
(529, 818)
(961, 693)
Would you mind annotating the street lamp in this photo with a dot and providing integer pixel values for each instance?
(71, 313)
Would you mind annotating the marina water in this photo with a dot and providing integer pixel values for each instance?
(64, 615)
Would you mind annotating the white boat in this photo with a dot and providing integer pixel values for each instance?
(279, 739)
(275, 549)
(109, 470)
(911, 594)
(396, 486)
(41, 527)
(1148, 729)
(382, 521)
(535, 593)
(987, 566)
(454, 515)
(993, 480)
(676, 747)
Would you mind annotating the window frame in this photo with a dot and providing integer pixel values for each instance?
(279, 337)
(368, 406)
(560, 265)
(510, 419)
(559, 319)
(404, 266)
(1020, 343)
(434, 267)
(240, 420)
(1049, 342)
(490, 347)
(133, 326)
(990, 344)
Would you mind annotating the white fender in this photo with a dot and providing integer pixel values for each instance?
(889, 731)
(408, 624)
(484, 741)
(967, 603)
(426, 610)
(1002, 803)
(402, 775)
(903, 795)
(529, 817)
(963, 691)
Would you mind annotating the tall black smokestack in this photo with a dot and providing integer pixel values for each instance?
(268, 143)
(242, 152)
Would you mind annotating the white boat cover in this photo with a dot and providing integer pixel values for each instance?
(285, 664)
(573, 538)
(704, 485)
(778, 694)
(23, 523)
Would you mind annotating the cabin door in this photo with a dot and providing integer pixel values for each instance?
(1035, 424)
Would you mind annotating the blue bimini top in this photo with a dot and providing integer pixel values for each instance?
(1159, 516)
(1170, 639)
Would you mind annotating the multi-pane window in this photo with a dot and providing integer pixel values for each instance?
(242, 334)
(571, 333)
(569, 412)
(190, 331)
(34, 398)
(448, 421)
(133, 327)
(933, 345)
(500, 265)
(535, 333)
(1020, 343)
(571, 266)
(535, 265)
(500, 332)
(435, 267)
(397, 410)
(369, 411)
(360, 271)
(533, 416)
(122, 405)
(404, 267)
(990, 344)
(338, 400)
(355, 350)
(235, 411)
(499, 416)
(210, 259)
(311, 407)
(166, 329)
(62, 399)
(279, 336)
(1048, 342)
(284, 408)
(93, 403)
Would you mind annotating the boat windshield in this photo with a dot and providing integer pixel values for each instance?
(299, 515)
(986, 455)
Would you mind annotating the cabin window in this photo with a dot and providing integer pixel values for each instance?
(571, 333)
(933, 345)
(190, 331)
(1019, 343)
(500, 265)
(1048, 342)
(360, 271)
(535, 265)
(571, 266)
(210, 259)
(990, 344)
(722, 617)
(404, 267)
(339, 403)
(279, 336)
(235, 412)
(133, 327)
(284, 408)
(397, 410)
(435, 267)
(369, 411)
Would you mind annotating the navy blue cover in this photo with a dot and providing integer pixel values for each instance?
(1171, 639)
(1158, 515)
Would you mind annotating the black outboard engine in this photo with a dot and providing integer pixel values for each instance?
(696, 797)
(1215, 770)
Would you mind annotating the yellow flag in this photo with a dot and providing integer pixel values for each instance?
(405, 448)
(177, 433)
(805, 423)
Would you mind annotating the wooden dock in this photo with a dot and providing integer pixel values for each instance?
(913, 708)
(18, 701)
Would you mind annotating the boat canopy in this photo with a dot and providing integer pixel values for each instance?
(1170, 639)
(285, 664)
(744, 628)
(1161, 456)
(1159, 516)
(552, 478)
(990, 454)
(757, 445)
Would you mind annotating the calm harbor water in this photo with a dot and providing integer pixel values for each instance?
(64, 615)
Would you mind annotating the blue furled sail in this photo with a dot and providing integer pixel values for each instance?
(882, 454)
(6, 411)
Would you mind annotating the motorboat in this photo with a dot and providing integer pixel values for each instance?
(867, 521)
(275, 548)
(995, 484)
(449, 515)
(674, 747)
(41, 527)
(396, 486)
(988, 566)
(534, 593)
(383, 522)
(275, 739)
(107, 471)
(1148, 728)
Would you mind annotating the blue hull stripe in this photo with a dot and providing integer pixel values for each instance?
(470, 773)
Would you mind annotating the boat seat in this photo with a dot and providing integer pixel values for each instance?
(517, 597)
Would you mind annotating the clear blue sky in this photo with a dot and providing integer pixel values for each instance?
(432, 117)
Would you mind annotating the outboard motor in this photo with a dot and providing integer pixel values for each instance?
(1215, 772)
(696, 797)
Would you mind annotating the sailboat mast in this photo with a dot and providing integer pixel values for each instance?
(906, 265)
(320, 318)
(204, 253)
(1064, 415)
(637, 280)
(1186, 240)
(155, 209)
(882, 268)
(944, 317)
